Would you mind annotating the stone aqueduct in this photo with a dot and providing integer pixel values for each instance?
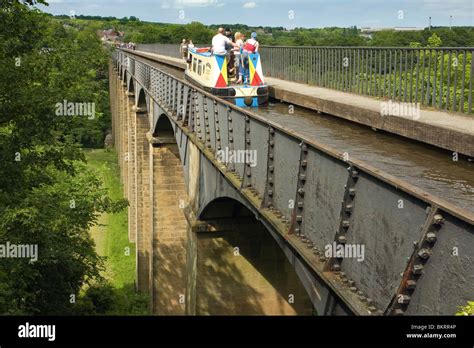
(190, 214)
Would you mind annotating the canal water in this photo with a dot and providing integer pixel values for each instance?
(431, 169)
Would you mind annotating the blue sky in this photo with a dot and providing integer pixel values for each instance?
(286, 13)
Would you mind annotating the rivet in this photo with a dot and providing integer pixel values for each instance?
(299, 218)
(248, 130)
(271, 156)
(398, 311)
(431, 237)
(249, 173)
(272, 131)
(231, 139)
(353, 289)
(322, 259)
(271, 168)
(248, 141)
(270, 193)
(342, 239)
(349, 208)
(417, 269)
(345, 224)
(304, 148)
(411, 284)
(355, 174)
(303, 177)
(424, 253)
(304, 163)
(300, 204)
(404, 299)
(438, 219)
(336, 267)
(301, 192)
(230, 129)
(352, 192)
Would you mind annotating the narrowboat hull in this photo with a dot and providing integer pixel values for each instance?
(209, 72)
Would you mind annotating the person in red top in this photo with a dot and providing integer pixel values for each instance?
(251, 45)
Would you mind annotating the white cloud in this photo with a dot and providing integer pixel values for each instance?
(165, 5)
(194, 3)
(250, 4)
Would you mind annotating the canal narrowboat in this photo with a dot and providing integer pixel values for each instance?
(209, 72)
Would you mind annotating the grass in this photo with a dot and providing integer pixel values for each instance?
(111, 234)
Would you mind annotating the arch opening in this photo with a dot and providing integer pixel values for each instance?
(131, 86)
(141, 103)
(241, 269)
(164, 132)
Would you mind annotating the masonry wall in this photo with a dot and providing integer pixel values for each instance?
(170, 225)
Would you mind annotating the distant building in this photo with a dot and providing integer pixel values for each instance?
(368, 31)
(111, 35)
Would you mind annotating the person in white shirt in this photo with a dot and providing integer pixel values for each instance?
(184, 49)
(219, 42)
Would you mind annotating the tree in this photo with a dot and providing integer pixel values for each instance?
(47, 197)
(434, 41)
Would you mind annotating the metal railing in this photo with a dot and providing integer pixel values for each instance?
(170, 50)
(434, 77)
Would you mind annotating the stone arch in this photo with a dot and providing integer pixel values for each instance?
(130, 83)
(142, 100)
(123, 74)
(163, 131)
(240, 268)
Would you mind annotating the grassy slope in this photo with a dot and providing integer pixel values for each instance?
(111, 235)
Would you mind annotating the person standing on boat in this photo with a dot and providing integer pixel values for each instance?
(250, 46)
(220, 42)
(190, 44)
(184, 49)
(238, 68)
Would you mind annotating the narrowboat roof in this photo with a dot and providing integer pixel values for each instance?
(207, 53)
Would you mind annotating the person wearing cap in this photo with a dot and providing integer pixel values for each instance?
(251, 45)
